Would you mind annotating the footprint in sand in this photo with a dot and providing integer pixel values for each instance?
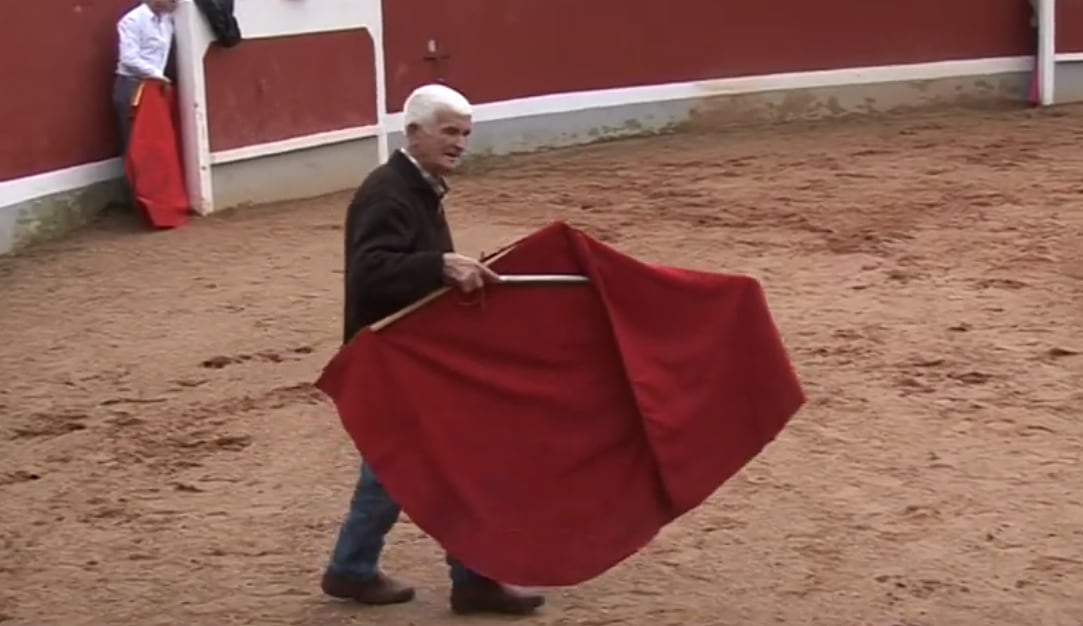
(49, 425)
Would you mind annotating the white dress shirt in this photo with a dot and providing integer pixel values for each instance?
(145, 40)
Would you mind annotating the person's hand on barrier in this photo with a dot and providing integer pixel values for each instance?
(467, 274)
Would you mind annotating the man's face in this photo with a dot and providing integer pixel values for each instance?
(439, 144)
(162, 6)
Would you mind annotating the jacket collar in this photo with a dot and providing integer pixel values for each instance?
(406, 165)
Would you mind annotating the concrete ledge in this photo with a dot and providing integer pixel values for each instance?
(558, 130)
(294, 175)
(849, 100)
(48, 217)
(1068, 82)
(719, 111)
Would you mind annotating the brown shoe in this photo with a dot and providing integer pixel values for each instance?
(377, 591)
(492, 597)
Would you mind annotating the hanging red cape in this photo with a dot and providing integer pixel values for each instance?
(545, 433)
(153, 163)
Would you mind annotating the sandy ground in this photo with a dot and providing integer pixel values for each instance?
(164, 461)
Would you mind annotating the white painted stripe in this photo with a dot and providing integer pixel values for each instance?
(20, 190)
(584, 100)
(193, 36)
(1069, 57)
(1047, 51)
(58, 181)
(294, 143)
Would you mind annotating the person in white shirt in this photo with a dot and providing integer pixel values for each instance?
(145, 37)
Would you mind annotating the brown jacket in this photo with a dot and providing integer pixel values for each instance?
(396, 235)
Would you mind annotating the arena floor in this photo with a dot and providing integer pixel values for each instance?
(164, 461)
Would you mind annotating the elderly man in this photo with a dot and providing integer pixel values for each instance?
(145, 37)
(399, 249)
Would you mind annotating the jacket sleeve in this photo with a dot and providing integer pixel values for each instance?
(381, 265)
(128, 36)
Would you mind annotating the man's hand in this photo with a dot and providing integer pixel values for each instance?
(465, 273)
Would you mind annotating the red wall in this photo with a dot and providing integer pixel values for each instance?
(267, 90)
(270, 89)
(509, 49)
(57, 61)
(1069, 25)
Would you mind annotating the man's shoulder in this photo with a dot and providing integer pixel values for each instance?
(135, 14)
(381, 174)
(380, 187)
(382, 181)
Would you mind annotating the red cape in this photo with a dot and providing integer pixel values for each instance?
(545, 433)
(153, 163)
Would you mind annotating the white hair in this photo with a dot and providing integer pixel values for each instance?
(428, 100)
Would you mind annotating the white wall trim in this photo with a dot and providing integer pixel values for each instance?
(1047, 51)
(1068, 57)
(193, 36)
(20, 190)
(584, 100)
(293, 144)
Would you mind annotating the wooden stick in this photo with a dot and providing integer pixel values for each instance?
(401, 313)
(137, 95)
(543, 279)
(379, 325)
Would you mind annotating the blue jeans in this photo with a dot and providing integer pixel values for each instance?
(361, 539)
